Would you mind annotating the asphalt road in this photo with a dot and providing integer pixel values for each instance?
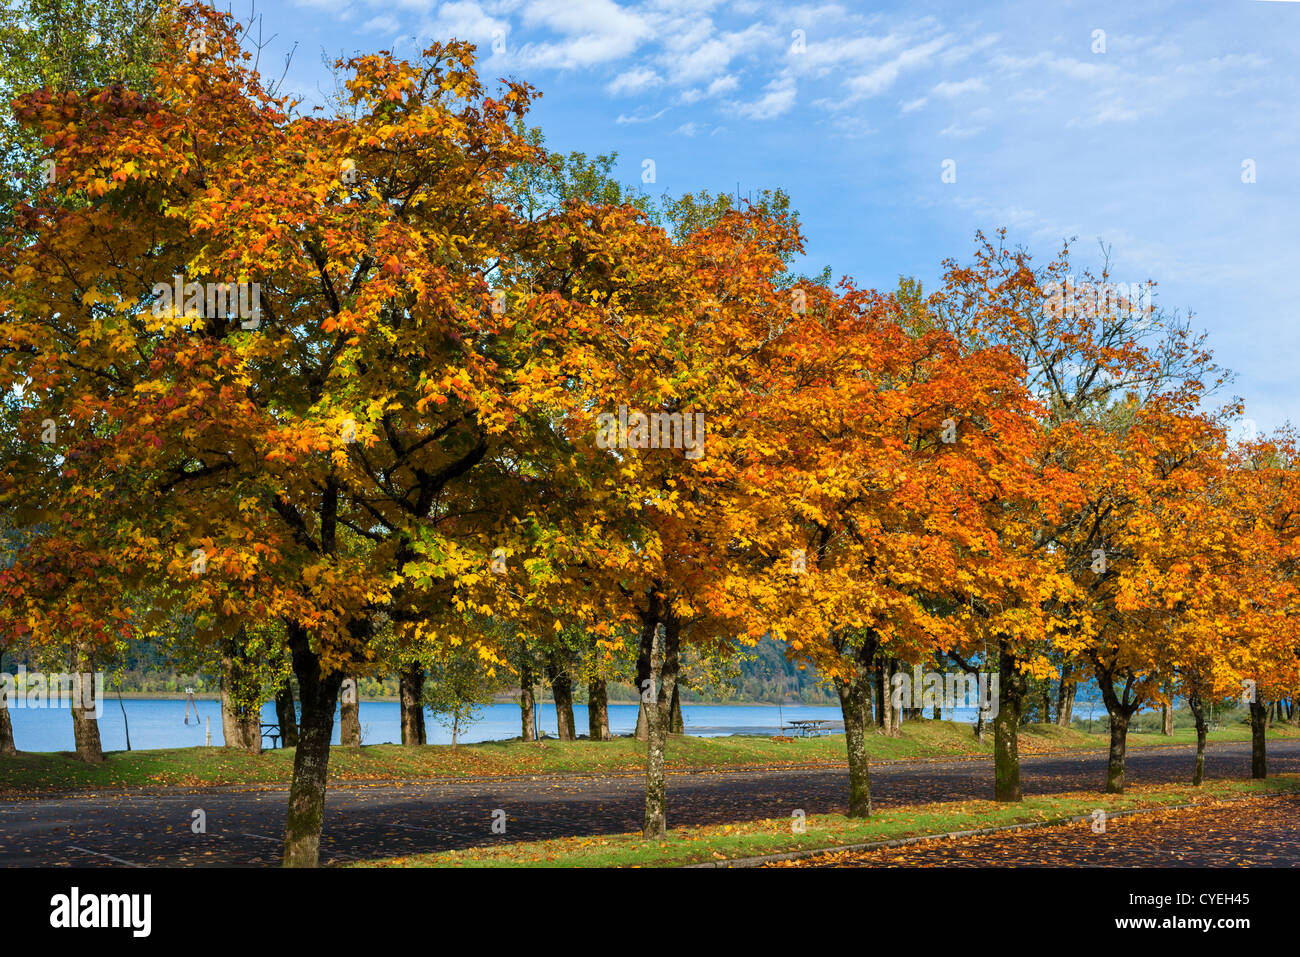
(244, 828)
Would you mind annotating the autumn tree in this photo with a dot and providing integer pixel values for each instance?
(67, 45)
(899, 447)
(321, 453)
(1098, 356)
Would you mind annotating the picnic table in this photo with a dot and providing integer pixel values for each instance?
(272, 731)
(809, 727)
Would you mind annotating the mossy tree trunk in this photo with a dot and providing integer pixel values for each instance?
(1065, 694)
(85, 726)
(285, 715)
(1120, 706)
(7, 746)
(241, 711)
(350, 713)
(1198, 714)
(663, 675)
(854, 690)
(597, 710)
(882, 695)
(1006, 727)
(527, 701)
(643, 680)
(410, 689)
(677, 724)
(319, 693)
(557, 672)
(1258, 734)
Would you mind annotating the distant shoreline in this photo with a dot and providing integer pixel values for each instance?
(111, 695)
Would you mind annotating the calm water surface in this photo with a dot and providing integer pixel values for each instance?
(160, 723)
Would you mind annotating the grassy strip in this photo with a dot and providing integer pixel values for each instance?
(196, 767)
(698, 845)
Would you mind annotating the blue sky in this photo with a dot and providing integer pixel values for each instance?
(853, 109)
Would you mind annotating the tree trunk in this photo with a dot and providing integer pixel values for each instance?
(1006, 729)
(85, 726)
(882, 695)
(1294, 716)
(285, 715)
(1065, 696)
(1115, 759)
(854, 691)
(562, 692)
(527, 721)
(410, 691)
(7, 746)
(663, 673)
(896, 725)
(1198, 773)
(597, 710)
(1167, 719)
(350, 713)
(241, 722)
(677, 725)
(643, 682)
(888, 711)
(1258, 727)
(126, 725)
(1045, 702)
(527, 703)
(319, 695)
(1120, 712)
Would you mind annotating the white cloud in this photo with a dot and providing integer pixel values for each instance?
(963, 51)
(382, 24)
(1066, 66)
(623, 118)
(723, 84)
(823, 55)
(950, 90)
(693, 54)
(591, 32)
(884, 76)
(636, 80)
(463, 20)
(779, 98)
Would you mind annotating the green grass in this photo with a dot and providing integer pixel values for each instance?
(194, 767)
(696, 845)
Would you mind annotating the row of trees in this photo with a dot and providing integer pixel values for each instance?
(485, 402)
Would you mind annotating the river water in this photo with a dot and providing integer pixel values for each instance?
(160, 723)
